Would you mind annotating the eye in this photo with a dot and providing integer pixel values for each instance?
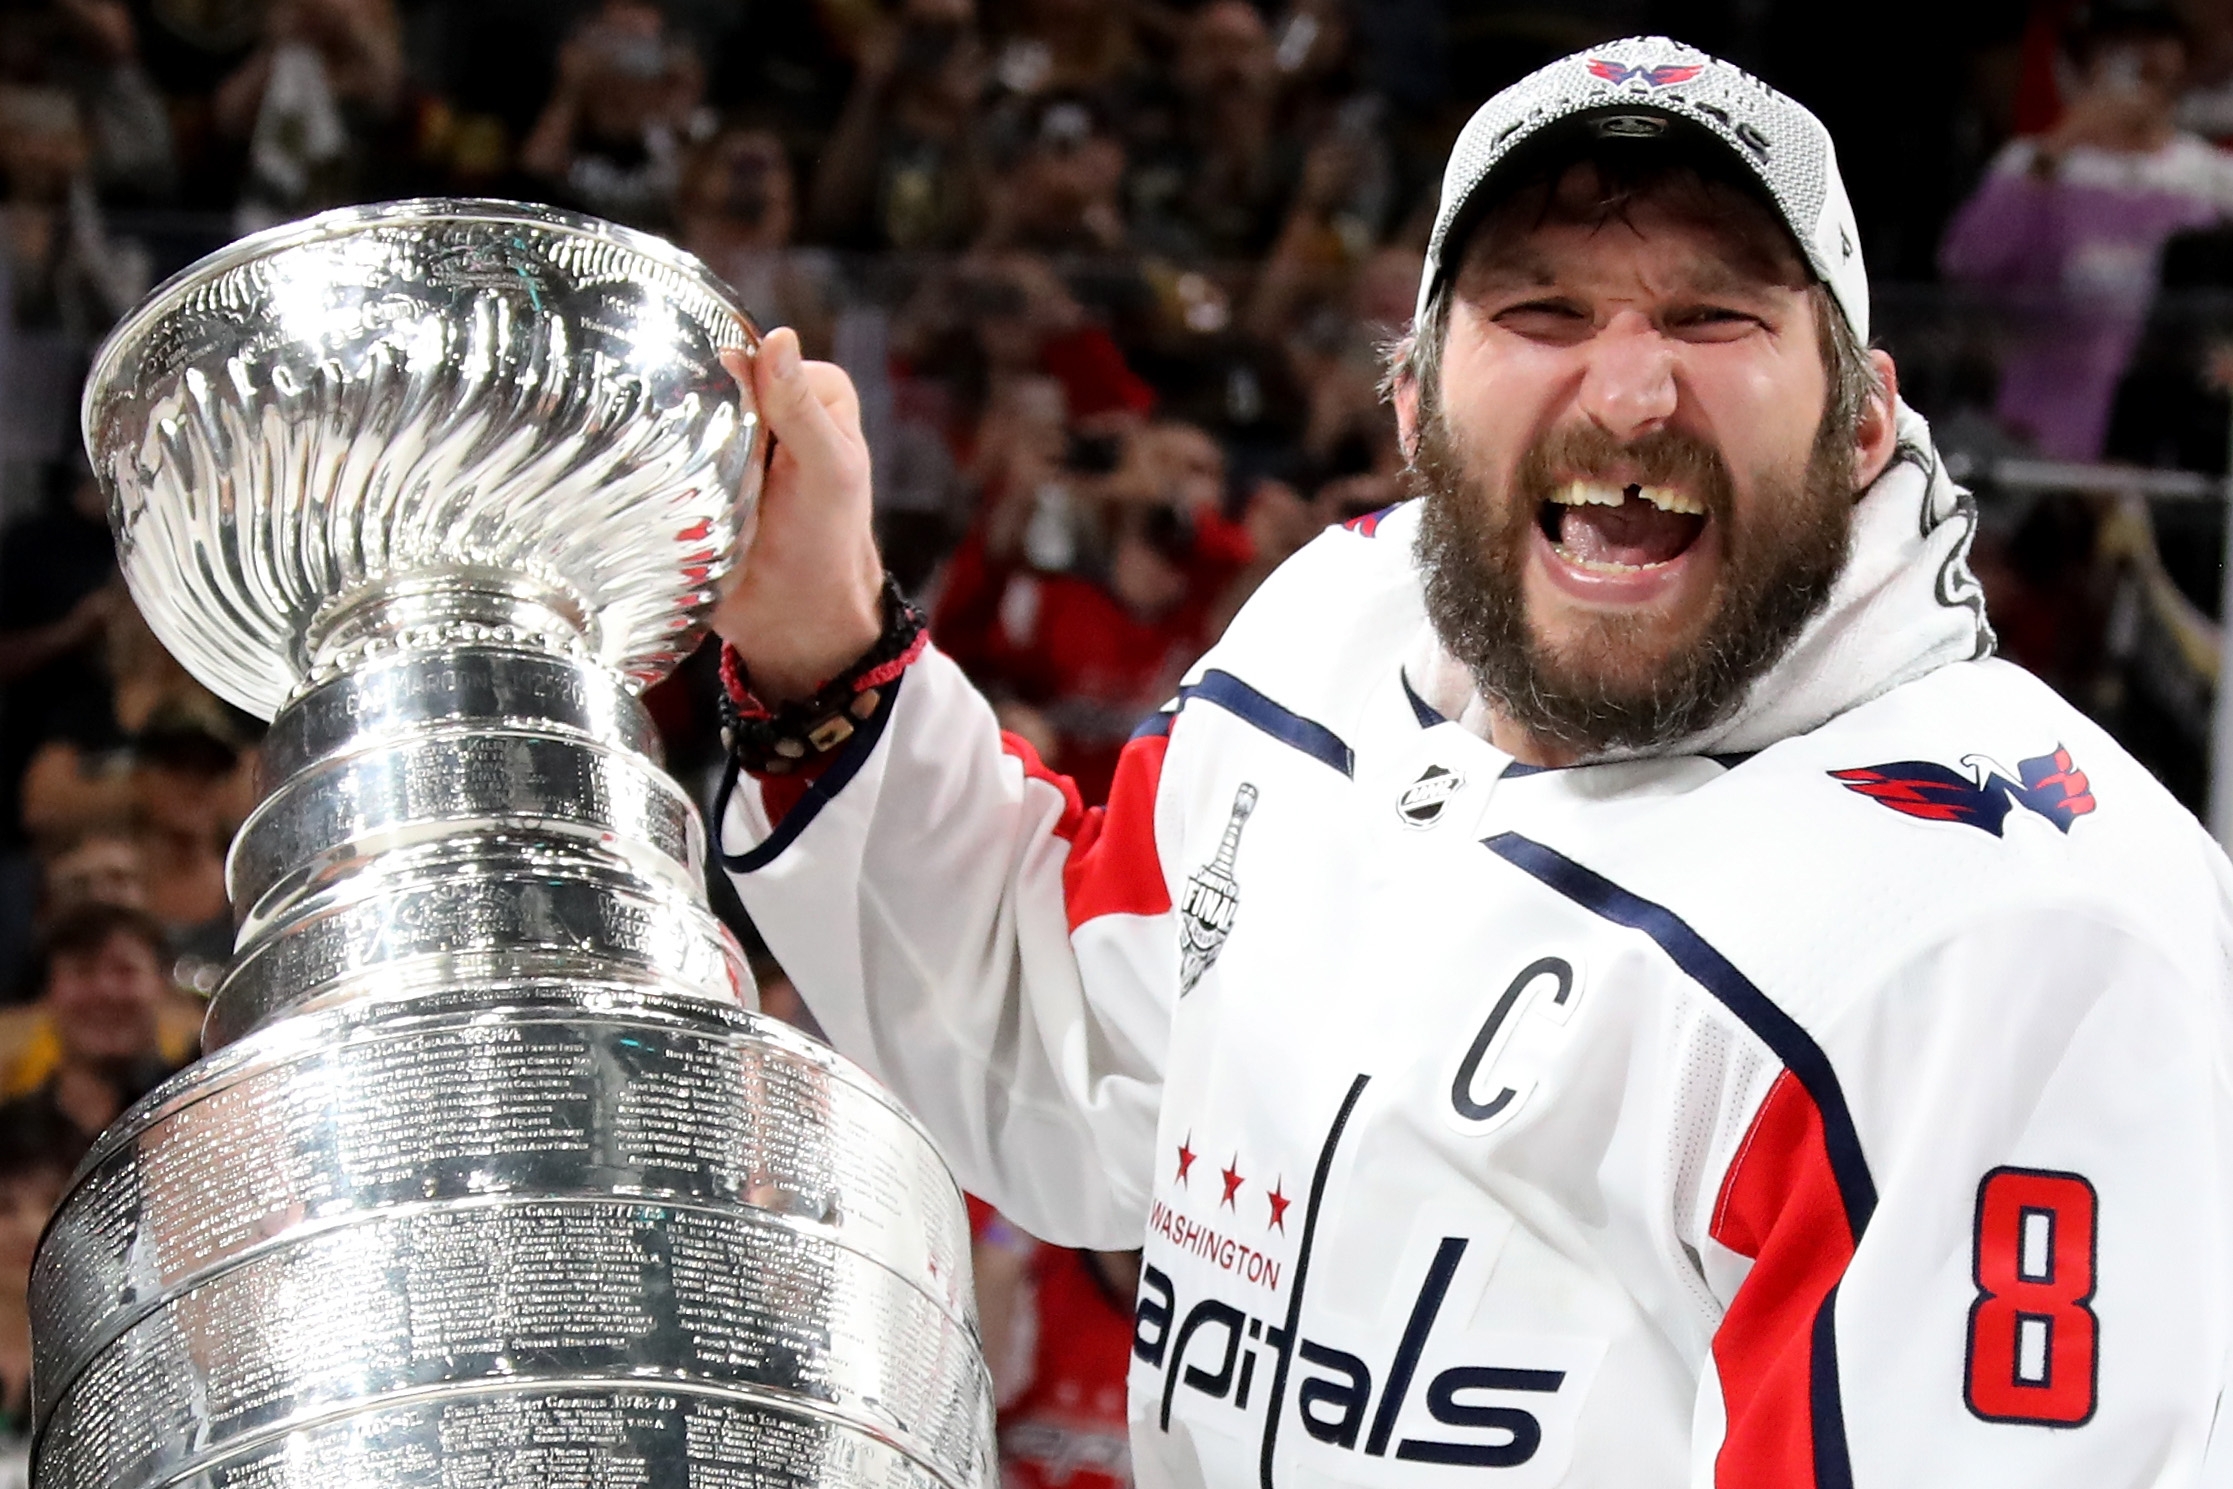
(1545, 320)
(1712, 323)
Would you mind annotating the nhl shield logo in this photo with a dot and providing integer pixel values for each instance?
(1212, 897)
(1423, 800)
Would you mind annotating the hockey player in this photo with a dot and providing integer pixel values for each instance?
(1598, 978)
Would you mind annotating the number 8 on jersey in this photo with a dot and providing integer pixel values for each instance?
(2034, 1344)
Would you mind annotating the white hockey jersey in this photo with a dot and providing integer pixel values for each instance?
(1843, 1101)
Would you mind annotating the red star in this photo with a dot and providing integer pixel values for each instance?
(1186, 1157)
(1280, 1202)
(1232, 1173)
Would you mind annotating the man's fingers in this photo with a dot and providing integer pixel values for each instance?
(833, 388)
(810, 407)
(807, 598)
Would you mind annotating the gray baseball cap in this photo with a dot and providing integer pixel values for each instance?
(1643, 87)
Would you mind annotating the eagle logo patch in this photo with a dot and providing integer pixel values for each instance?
(2051, 785)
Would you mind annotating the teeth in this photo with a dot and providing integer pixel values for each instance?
(1668, 499)
(1599, 494)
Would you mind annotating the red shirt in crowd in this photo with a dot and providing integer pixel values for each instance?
(1066, 1428)
(1064, 644)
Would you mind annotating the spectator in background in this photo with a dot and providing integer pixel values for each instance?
(63, 281)
(1331, 228)
(902, 169)
(1083, 597)
(102, 864)
(1020, 468)
(1063, 192)
(91, 49)
(152, 747)
(1001, 316)
(2071, 223)
(1316, 49)
(108, 1030)
(737, 209)
(58, 592)
(32, 1178)
(312, 101)
(1210, 172)
(1333, 356)
(994, 322)
(192, 787)
(80, 769)
(1057, 1326)
(625, 104)
(189, 51)
(1064, 46)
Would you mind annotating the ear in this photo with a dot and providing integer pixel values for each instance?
(1876, 437)
(1403, 391)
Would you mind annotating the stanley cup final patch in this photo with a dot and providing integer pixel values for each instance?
(1212, 898)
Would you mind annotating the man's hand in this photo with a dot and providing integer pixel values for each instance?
(807, 596)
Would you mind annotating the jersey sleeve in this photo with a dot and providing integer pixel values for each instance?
(1000, 956)
(2005, 1258)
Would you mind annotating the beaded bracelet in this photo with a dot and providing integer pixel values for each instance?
(778, 741)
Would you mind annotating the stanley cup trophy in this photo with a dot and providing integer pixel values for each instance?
(491, 1178)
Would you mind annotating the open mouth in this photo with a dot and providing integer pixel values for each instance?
(1610, 529)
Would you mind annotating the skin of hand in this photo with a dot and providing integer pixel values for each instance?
(806, 598)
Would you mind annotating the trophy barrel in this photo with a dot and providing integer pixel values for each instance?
(494, 1176)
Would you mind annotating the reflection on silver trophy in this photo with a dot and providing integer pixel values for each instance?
(491, 1179)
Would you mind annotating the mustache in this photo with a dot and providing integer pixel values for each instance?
(1590, 452)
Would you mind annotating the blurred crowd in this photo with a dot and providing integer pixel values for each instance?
(1114, 279)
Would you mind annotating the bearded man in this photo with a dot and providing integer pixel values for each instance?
(1599, 978)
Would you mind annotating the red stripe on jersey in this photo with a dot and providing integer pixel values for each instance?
(1779, 1205)
(779, 794)
(1113, 868)
(1035, 769)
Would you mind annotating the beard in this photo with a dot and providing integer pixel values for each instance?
(1618, 686)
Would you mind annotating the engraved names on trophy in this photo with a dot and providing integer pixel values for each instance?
(491, 1181)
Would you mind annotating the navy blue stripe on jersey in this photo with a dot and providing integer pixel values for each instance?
(819, 792)
(1833, 1463)
(1283, 724)
(1711, 970)
(1156, 725)
(1283, 1339)
(1516, 769)
(1426, 713)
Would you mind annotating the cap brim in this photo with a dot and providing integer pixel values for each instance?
(1640, 123)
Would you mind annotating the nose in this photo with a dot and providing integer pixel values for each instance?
(1628, 387)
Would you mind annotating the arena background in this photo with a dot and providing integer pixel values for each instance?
(1081, 257)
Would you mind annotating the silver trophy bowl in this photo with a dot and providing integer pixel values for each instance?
(493, 1178)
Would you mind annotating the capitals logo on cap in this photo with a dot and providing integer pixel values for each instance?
(1662, 75)
(1640, 88)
